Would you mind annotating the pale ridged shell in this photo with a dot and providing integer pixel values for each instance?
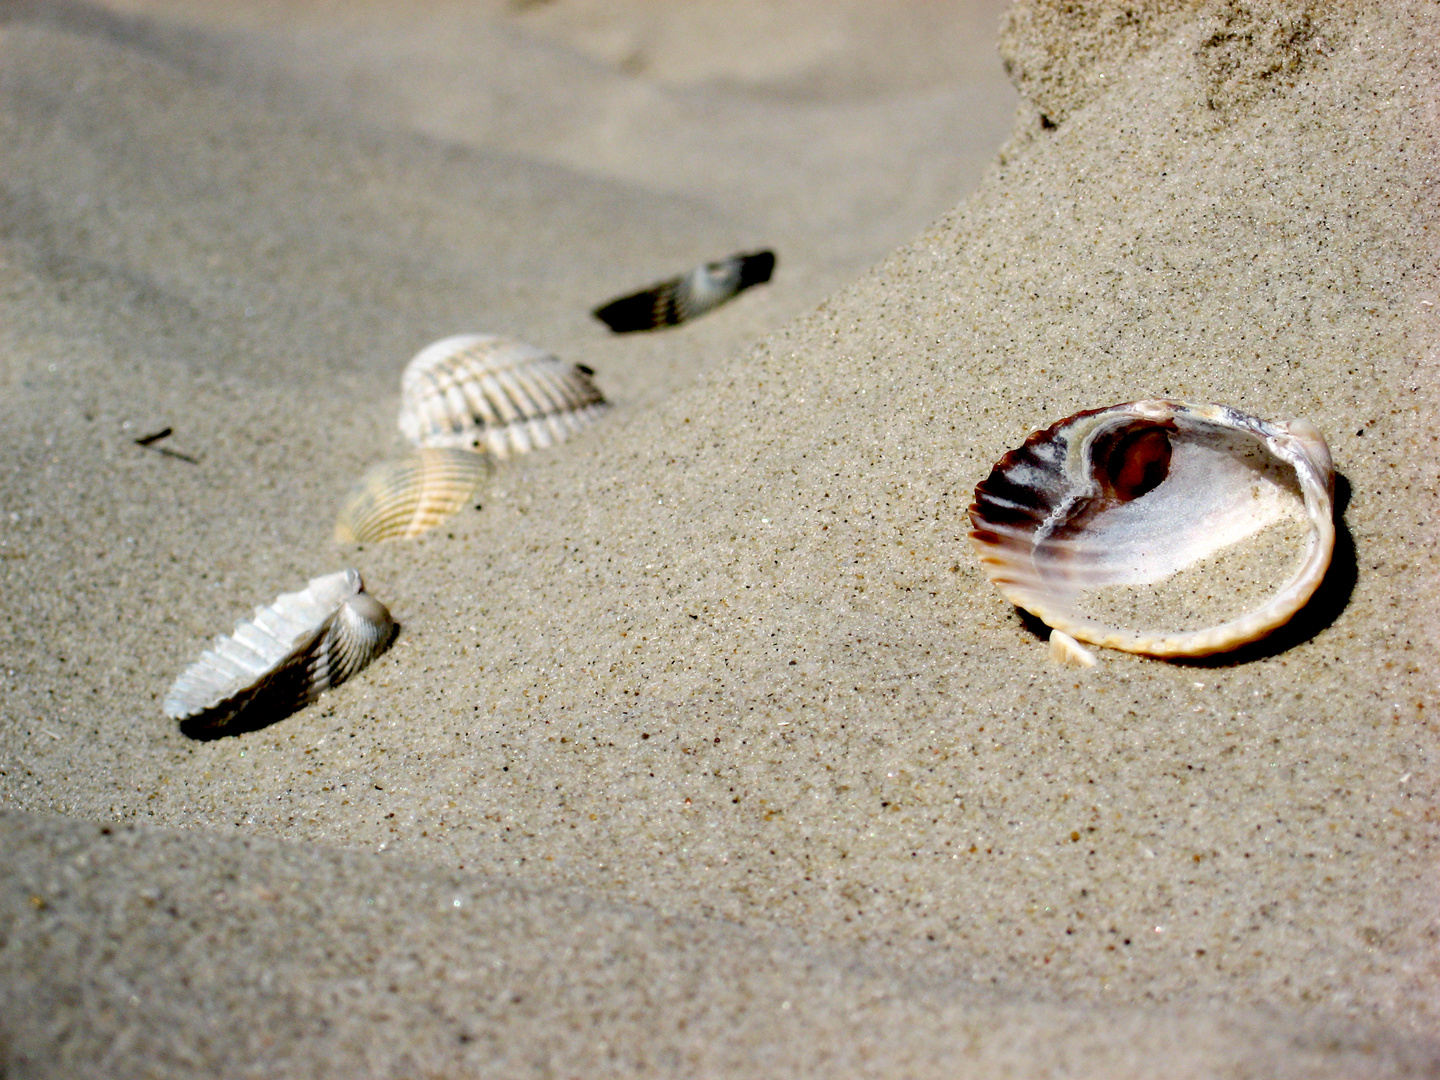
(1130, 495)
(495, 395)
(401, 499)
(687, 296)
(283, 657)
(1064, 649)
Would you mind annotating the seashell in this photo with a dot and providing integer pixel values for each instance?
(1064, 649)
(687, 296)
(401, 499)
(1160, 511)
(283, 657)
(494, 394)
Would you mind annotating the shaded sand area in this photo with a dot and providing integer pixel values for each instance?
(705, 748)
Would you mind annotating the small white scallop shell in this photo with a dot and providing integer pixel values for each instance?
(283, 657)
(682, 298)
(401, 499)
(494, 395)
(1127, 501)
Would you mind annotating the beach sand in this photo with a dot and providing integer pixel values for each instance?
(705, 748)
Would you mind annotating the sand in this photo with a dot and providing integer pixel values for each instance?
(706, 748)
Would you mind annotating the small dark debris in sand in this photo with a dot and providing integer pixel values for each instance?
(148, 442)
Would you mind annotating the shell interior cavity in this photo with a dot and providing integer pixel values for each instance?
(283, 657)
(494, 395)
(402, 499)
(687, 296)
(1162, 514)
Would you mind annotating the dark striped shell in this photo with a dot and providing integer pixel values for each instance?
(1129, 496)
(688, 296)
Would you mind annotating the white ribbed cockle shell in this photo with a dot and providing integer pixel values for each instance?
(494, 395)
(283, 657)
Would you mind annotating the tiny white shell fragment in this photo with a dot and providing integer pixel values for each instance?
(402, 499)
(1064, 649)
(679, 299)
(1129, 496)
(283, 657)
(494, 395)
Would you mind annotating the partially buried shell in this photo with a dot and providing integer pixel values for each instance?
(283, 657)
(687, 296)
(495, 395)
(402, 499)
(1160, 512)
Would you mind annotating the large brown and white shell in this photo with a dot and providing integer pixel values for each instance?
(1176, 508)
(682, 298)
(283, 657)
(402, 499)
(494, 395)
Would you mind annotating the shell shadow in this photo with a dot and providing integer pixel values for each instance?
(283, 696)
(1330, 599)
